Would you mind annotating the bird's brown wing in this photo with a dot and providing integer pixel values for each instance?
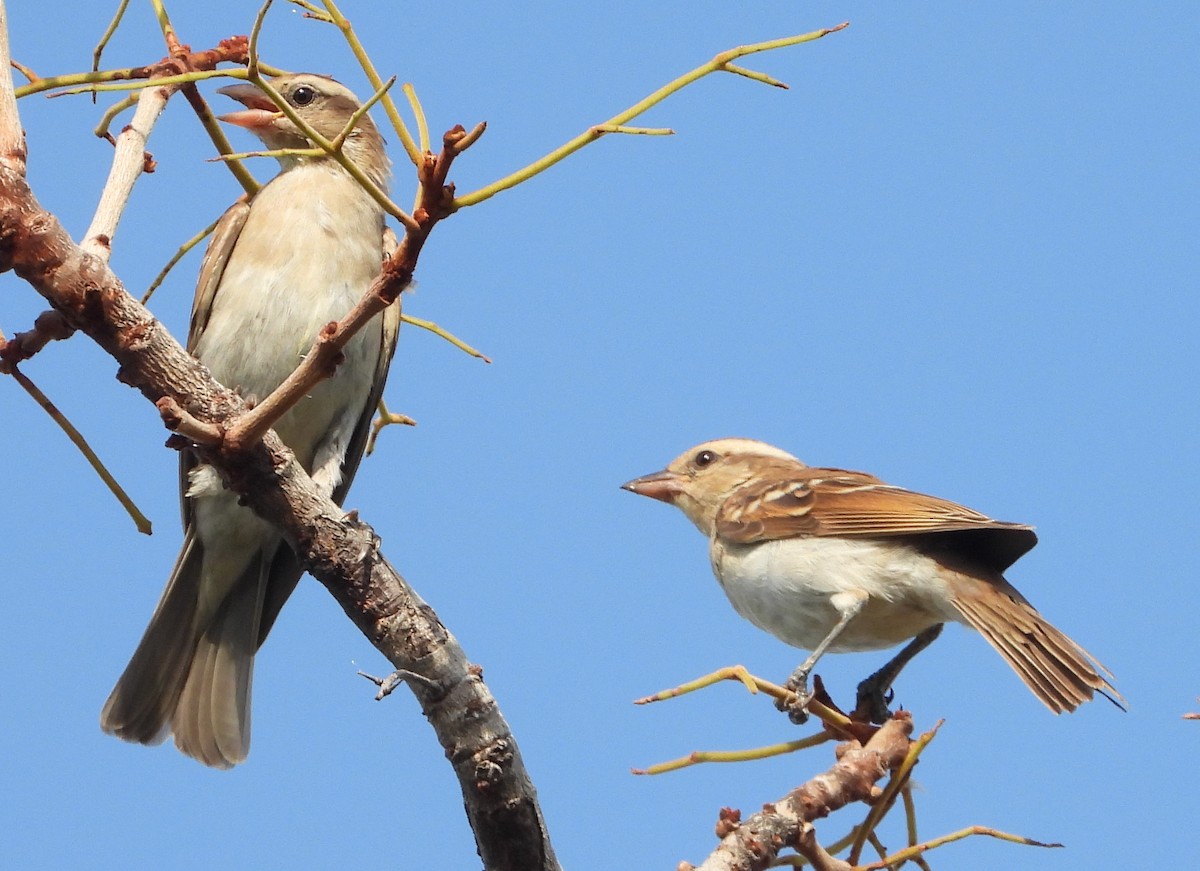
(390, 324)
(212, 267)
(285, 569)
(836, 502)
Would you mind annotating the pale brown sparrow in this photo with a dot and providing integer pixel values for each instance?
(835, 561)
(299, 256)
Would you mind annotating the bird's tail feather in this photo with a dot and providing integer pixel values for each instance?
(140, 706)
(211, 721)
(189, 678)
(1057, 670)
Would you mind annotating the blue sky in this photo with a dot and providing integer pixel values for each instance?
(955, 254)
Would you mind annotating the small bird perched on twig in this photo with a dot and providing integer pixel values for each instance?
(299, 255)
(835, 561)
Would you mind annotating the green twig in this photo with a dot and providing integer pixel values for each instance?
(311, 11)
(338, 141)
(634, 131)
(76, 437)
(699, 757)
(179, 255)
(112, 112)
(755, 75)
(721, 62)
(913, 852)
(887, 798)
(386, 418)
(445, 334)
(419, 113)
(127, 80)
(112, 28)
(326, 146)
(389, 106)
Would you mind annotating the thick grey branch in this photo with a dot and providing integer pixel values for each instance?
(341, 553)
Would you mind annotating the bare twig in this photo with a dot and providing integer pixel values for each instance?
(176, 257)
(756, 842)
(722, 62)
(108, 34)
(386, 418)
(139, 519)
(340, 21)
(445, 334)
(49, 326)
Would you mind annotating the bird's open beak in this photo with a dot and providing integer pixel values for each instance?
(260, 112)
(663, 486)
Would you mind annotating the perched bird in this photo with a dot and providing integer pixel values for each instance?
(298, 256)
(835, 561)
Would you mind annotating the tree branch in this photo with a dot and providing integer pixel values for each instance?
(755, 843)
(339, 551)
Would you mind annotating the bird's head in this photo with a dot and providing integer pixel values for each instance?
(323, 104)
(700, 479)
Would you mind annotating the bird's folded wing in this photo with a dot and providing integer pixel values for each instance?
(836, 502)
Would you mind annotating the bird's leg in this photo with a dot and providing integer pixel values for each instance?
(871, 691)
(849, 604)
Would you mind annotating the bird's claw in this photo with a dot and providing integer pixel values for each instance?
(874, 701)
(796, 705)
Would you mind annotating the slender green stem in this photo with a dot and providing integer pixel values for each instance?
(164, 23)
(64, 81)
(445, 334)
(634, 131)
(131, 83)
(364, 60)
(112, 112)
(720, 62)
(887, 798)
(312, 11)
(325, 145)
(340, 139)
(221, 142)
(108, 34)
(913, 852)
(28, 73)
(419, 113)
(701, 756)
(755, 75)
(77, 439)
(275, 152)
(183, 249)
(252, 72)
(386, 418)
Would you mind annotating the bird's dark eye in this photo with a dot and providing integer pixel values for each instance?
(303, 95)
(703, 458)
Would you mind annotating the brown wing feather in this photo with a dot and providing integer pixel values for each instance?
(212, 267)
(837, 502)
(285, 569)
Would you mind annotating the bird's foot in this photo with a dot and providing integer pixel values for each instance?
(874, 700)
(796, 706)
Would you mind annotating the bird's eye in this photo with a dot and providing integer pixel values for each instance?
(703, 458)
(303, 95)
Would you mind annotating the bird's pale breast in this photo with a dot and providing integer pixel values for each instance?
(296, 267)
(791, 588)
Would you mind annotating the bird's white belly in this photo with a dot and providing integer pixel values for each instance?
(297, 270)
(794, 588)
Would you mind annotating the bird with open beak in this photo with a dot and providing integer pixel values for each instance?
(299, 255)
(830, 560)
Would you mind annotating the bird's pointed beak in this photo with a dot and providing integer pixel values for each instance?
(259, 113)
(663, 486)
